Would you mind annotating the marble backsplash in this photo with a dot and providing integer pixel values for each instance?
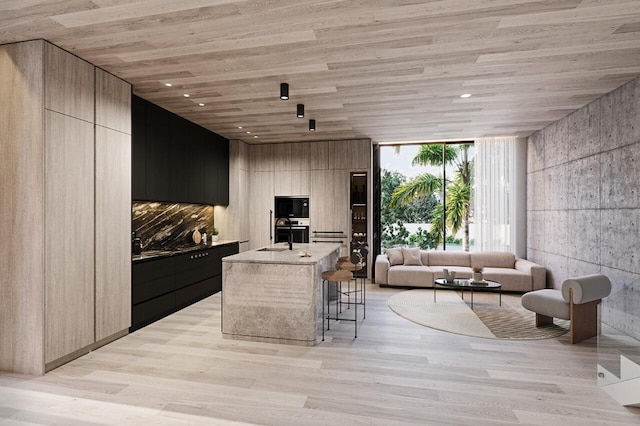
(169, 226)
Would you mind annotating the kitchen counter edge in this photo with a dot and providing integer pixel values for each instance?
(139, 258)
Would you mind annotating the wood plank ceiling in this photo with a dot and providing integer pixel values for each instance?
(390, 70)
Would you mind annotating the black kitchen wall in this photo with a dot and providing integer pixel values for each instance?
(175, 160)
(169, 226)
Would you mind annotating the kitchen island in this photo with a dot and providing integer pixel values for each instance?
(274, 294)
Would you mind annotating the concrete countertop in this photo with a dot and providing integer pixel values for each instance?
(316, 251)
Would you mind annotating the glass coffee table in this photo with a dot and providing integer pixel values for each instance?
(469, 284)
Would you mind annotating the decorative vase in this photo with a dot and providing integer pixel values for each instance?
(214, 238)
(477, 276)
(449, 276)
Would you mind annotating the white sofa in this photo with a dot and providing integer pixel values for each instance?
(514, 274)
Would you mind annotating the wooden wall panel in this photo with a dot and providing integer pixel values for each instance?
(319, 155)
(350, 154)
(292, 183)
(261, 190)
(69, 235)
(113, 231)
(69, 83)
(233, 220)
(329, 202)
(262, 158)
(22, 208)
(113, 102)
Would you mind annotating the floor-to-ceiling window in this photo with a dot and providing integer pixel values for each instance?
(427, 195)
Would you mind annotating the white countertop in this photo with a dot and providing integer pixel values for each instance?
(317, 252)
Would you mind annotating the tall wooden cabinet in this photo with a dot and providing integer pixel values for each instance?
(320, 170)
(113, 205)
(63, 197)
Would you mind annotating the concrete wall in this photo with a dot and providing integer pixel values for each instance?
(583, 204)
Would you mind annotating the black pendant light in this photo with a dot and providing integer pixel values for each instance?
(284, 91)
(300, 110)
(312, 125)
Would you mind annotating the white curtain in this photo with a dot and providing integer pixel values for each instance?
(500, 195)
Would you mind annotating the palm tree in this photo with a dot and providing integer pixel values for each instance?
(458, 190)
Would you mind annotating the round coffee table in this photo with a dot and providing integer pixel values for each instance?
(463, 284)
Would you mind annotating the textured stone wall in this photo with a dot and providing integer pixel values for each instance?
(583, 204)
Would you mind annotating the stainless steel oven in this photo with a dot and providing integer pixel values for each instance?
(298, 229)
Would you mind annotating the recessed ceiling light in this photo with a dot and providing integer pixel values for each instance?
(466, 95)
(255, 136)
(186, 95)
(168, 84)
(201, 104)
(239, 127)
(248, 133)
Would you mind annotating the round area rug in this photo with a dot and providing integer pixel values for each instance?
(487, 319)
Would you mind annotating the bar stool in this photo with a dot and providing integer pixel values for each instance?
(337, 277)
(354, 264)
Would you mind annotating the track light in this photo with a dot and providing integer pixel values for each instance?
(312, 125)
(284, 91)
(300, 111)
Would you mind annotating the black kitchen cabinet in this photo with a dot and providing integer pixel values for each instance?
(138, 149)
(152, 279)
(157, 153)
(175, 160)
(222, 168)
(162, 286)
(197, 155)
(179, 159)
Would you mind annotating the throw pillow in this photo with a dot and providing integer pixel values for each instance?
(395, 256)
(411, 256)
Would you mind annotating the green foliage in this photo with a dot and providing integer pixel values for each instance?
(394, 234)
(458, 190)
(423, 239)
(422, 185)
(418, 210)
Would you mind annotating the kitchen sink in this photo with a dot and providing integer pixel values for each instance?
(273, 249)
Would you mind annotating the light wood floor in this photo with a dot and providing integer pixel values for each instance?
(181, 371)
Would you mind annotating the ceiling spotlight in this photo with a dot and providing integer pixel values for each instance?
(312, 125)
(186, 95)
(168, 84)
(201, 104)
(284, 91)
(248, 133)
(300, 110)
(255, 136)
(466, 95)
(239, 127)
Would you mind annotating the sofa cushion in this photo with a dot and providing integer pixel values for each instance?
(424, 257)
(546, 302)
(493, 259)
(395, 256)
(411, 256)
(511, 279)
(449, 258)
(416, 276)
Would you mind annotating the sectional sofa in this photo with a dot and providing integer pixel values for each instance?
(419, 268)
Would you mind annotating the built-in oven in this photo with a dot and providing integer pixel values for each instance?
(298, 229)
(293, 207)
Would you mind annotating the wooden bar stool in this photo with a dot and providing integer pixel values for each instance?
(337, 277)
(354, 264)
